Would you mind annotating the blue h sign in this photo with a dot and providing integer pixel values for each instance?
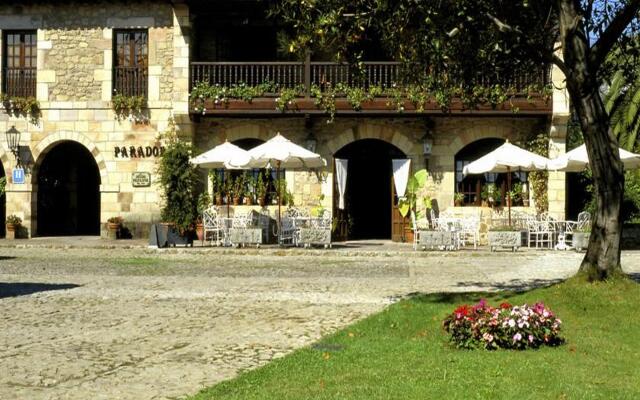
(18, 175)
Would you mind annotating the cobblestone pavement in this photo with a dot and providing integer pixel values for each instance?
(148, 324)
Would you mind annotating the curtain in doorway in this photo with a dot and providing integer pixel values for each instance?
(341, 178)
(401, 170)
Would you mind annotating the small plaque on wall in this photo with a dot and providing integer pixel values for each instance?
(141, 179)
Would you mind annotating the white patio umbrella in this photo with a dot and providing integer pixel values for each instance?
(226, 155)
(279, 152)
(577, 160)
(507, 158)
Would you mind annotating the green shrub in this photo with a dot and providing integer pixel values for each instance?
(178, 180)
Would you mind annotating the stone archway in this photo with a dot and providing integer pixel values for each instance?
(66, 179)
(48, 143)
(372, 131)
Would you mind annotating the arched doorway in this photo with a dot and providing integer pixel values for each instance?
(68, 192)
(369, 194)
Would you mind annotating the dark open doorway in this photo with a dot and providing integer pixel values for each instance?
(68, 192)
(368, 196)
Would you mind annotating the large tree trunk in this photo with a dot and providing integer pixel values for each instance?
(603, 254)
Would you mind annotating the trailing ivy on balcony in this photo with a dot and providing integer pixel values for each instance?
(27, 107)
(396, 97)
(129, 107)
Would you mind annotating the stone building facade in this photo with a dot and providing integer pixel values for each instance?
(75, 89)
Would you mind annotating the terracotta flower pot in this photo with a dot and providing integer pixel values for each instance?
(200, 231)
(249, 200)
(113, 226)
(12, 230)
(236, 201)
(219, 200)
(261, 201)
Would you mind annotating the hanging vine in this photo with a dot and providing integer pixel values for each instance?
(539, 180)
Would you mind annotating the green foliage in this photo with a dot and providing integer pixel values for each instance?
(287, 99)
(261, 186)
(3, 186)
(216, 182)
(27, 107)
(415, 192)
(14, 220)
(622, 102)
(539, 180)
(126, 107)
(204, 202)
(407, 338)
(178, 179)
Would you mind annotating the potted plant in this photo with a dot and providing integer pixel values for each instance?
(204, 201)
(515, 194)
(249, 189)
(415, 188)
(13, 224)
(179, 180)
(216, 186)
(504, 236)
(261, 190)
(237, 189)
(458, 199)
(227, 189)
(113, 226)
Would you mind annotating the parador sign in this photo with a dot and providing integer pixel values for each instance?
(137, 152)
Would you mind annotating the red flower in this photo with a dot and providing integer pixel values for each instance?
(505, 305)
(463, 310)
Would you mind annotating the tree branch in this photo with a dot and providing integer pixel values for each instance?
(540, 53)
(608, 38)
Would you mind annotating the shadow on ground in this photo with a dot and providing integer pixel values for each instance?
(496, 291)
(6, 258)
(15, 289)
(514, 285)
(635, 276)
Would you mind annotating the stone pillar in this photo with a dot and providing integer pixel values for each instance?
(557, 142)
(180, 97)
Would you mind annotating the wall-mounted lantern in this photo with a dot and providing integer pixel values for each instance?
(13, 140)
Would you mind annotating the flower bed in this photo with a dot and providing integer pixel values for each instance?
(505, 327)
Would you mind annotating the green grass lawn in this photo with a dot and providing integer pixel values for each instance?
(403, 353)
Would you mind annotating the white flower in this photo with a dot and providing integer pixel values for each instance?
(517, 337)
(512, 323)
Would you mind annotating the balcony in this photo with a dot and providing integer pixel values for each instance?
(308, 79)
(20, 82)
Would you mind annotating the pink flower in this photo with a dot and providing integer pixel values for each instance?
(530, 338)
(517, 337)
(488, 337)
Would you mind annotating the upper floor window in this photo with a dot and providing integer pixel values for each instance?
(130, 64)
(19, 63)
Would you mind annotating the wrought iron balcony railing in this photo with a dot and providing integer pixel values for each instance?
(19, 82)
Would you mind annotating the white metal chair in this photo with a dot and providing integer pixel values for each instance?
(541, 233)
(470, 231)
(213, 224)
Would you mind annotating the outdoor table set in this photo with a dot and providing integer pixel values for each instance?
(297, 228)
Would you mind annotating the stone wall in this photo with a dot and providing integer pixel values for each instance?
(450, 135)
(74, 88)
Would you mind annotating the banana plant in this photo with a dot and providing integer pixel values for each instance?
(415, 185)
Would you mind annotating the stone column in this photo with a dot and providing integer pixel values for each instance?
(557, 143)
